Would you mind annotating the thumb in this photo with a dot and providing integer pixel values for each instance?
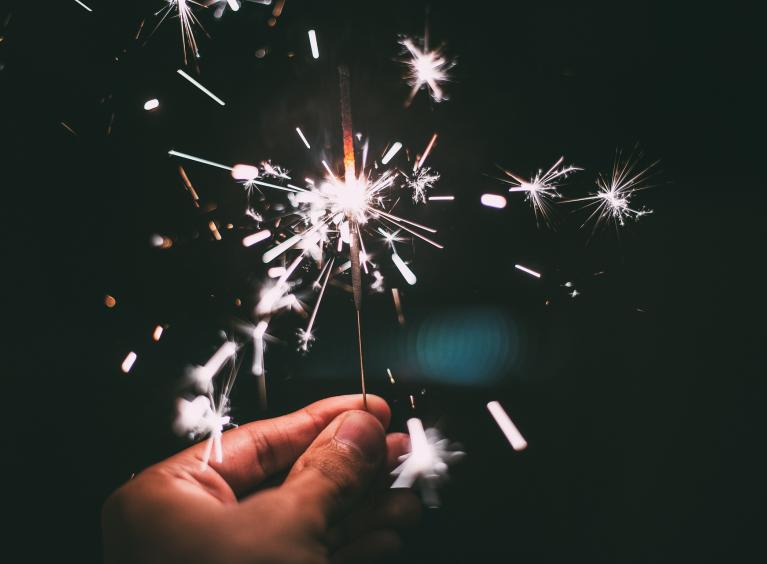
(338, 467)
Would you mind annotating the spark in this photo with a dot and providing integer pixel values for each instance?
(244, 172)
(152, 104)
(305, 336)
(427, 462)
(313, 44)
(202, 376)
(422, 159)
(441, 198)
(157, 333)
(110, 301)
(200, 86)
(422, 180)
(127, 363)
(542, 188)
(525, 269)
(398, 306)
(68, 128)
(233, 5)
(198, 418)
(393, 150)
(83, 5)
(174, 153)
(407, 274)
(214, 229)
(493, 201)
(254, 238)
(187, 20)
(613, 196)
(188, 184)
(425, 69)
(516, 439)
(391, 377)
(303, 137)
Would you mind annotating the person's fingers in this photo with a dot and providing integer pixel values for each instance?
(397, 444)
(337, 468)
(398, 510)
(374, 548)
(257, 450)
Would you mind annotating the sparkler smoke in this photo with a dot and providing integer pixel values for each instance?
(425, 69)
(542, 188)
(427, 462)
(612, 199)
(187, 20)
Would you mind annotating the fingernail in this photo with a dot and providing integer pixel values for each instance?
(363, 432)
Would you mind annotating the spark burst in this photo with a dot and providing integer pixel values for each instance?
(612, 199)
(542, 188)
(427, 462)
(187, 20)
(425, 69)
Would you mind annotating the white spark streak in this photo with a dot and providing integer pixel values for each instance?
(174, 153)
(422, 159)
(200, 86)
(303, 137)
(407, 274)
(157, 333)
(493, 201)
(152, 104)
(313, 44)
(275, 271)
(244, 172)
(525, 269)
(233, 5)
(83, 5)
(393, 150)
(276, 251)
(202, 376)
(254, 238)
(516, 439)
(441, 198)
(127, 364)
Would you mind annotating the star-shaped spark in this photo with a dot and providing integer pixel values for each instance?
(199, 418)
(543, 188)
(612, 200)
(425, 69)
(421, 181)
(427, 462)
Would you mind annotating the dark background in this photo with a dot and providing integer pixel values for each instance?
(644, 443)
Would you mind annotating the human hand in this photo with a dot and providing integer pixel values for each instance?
(333, 506)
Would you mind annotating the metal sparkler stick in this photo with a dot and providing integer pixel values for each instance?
(350, 178)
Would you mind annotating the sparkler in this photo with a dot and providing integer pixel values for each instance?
(427, 462)
(614, 193)
(542, 188)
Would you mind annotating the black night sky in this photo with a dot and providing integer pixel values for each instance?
(640, 398)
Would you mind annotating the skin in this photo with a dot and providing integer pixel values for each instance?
(333, 506)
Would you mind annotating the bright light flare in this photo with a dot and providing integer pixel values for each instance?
(425, 69)
(128, 362)
(313, 44)
(254, 238)
(152, 104)
(516, 439)
(527, 270)
(244, 172)
(393, 150)
(493, 201)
